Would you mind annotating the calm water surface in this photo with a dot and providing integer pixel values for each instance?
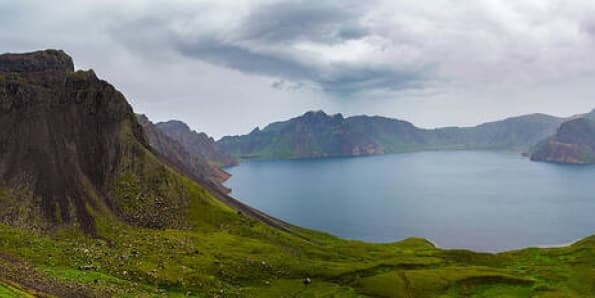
(486, 201)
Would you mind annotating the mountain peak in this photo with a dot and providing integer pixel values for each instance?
(196, 143)
(175, 124)
(80, 156)
(39, 61)
(319, 114)
(315, 113)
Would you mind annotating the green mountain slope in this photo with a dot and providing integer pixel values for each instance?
(150, 231)
(316, 134)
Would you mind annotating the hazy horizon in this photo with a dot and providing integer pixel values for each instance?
(227, 67)
(248, 130)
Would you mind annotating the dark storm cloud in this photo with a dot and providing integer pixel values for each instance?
(340, 78)
(264, 44)
(321, 21)
(221, 53)
(354, 79)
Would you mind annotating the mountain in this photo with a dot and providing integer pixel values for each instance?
(199, 144)
(73, 152)
(69, 147)
(176, 155)
(89, 208)
(317, 134)
(573, 143)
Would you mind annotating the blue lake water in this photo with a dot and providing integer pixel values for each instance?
(479, 200)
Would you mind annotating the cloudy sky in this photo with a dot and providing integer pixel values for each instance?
(226, 67)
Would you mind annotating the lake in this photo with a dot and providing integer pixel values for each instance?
(479, 200)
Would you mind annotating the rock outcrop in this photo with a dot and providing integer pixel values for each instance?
(188, 162)
(197, 143)
(574, 143)
(41, 61)
(71, 148)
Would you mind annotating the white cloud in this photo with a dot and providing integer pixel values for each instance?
(227, 66)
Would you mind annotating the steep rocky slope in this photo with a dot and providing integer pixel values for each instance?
(71, 150)
(197, 143)
(316, 134)
(176, 155)
(56, 124)
(574, 143)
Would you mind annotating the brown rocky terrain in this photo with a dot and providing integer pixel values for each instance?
(573, 143)
(69, 144)
(193, 165)
(71, 149)
(197, 143)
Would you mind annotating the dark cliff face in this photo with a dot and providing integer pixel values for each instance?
(42, 61)
(67, 142)
(574, 143)
(198, 144)
(317, 134)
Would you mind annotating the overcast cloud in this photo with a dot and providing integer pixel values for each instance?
(225, 67)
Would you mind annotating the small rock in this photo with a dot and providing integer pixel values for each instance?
(87, 267)
(307, 280)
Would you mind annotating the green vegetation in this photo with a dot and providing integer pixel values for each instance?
(92, 212)
(12, 292)
(225, 254)
(204, 248)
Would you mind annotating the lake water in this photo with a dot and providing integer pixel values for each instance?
(479, 200)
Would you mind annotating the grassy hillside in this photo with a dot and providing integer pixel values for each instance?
(224, 254)
(88, 209)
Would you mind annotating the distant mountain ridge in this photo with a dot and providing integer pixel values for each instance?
(317, 134)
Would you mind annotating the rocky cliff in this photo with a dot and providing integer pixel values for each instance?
(197, 143)
(193, 165)
(71, 148)
(574, 143)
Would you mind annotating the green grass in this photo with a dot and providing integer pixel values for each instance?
(7, 291)
(203, 248)
(240, 257)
